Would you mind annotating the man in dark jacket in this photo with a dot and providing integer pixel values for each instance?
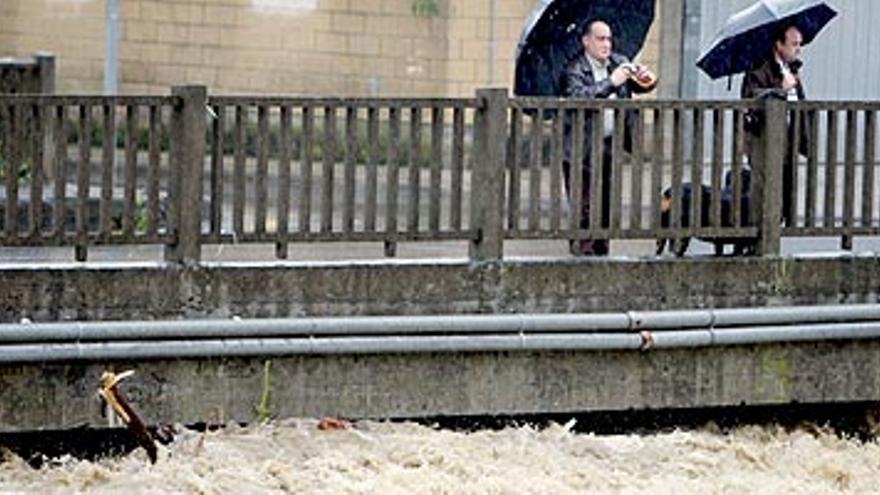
(776, 76)
(598, 73)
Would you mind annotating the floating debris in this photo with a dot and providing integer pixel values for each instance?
(333, 424)
(114, 398)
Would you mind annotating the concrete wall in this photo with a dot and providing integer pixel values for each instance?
(95, 292)
(312, 47)
(38, 396)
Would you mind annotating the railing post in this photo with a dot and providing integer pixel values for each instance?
(187, 161)
(768, 156)
(487, 175)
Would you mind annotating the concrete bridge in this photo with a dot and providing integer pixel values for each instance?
(227, 330)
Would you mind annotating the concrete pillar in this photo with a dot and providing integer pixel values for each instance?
(187, 157)
(767, 159)
(487, 189)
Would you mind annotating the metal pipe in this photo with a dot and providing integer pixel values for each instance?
(654, 320)
(140, 350)
(702, 318)
(764, 335)
(795, 314)
(64, 341)
(434, 324)
(365, 325)
(213, 348)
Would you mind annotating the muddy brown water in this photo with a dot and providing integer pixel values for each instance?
(294, 456)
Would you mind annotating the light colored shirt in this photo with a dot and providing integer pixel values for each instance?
(791, 94)
(600, 73)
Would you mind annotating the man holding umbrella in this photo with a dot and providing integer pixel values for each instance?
(776, 76)
(599, 73)
(764, 40)
(565, 50)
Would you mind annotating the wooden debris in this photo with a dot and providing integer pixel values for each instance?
(114, 398)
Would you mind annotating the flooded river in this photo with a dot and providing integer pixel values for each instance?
(294, 456)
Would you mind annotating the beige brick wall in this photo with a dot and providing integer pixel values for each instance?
(311, 47)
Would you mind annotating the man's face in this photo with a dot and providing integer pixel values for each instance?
(791, 48)
(597, 41)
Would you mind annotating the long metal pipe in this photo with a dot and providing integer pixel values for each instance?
(434, 324)
(214, 348)
(269, 347)
(294, 327)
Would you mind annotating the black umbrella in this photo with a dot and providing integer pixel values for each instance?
(749, 33)
(551, 38)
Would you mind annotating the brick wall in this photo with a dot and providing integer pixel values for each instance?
(311, 47)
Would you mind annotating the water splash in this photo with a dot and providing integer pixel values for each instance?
(294, 456)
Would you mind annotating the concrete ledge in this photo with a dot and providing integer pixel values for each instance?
(157, 291)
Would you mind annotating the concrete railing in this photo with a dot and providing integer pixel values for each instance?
(191, 169)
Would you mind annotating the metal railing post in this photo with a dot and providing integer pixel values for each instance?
(768, 157)
(487, 185)
(187, 157)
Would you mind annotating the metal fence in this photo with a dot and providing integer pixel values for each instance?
(188, 170)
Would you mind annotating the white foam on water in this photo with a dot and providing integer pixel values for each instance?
(294, 456)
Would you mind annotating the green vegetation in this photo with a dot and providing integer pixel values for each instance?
(24, 171)
(96, 136)
(338, 146)
(24, 166)
(425, 8)
(140, 215)
(273, 144)
(262, 408)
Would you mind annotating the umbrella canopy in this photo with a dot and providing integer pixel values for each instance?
(750, 33)
(551, 38)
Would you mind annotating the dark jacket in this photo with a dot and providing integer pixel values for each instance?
(764, 80)
(580, 83)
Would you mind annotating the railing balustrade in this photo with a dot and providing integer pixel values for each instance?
(194, 169)
(107, 174)
(327, 169)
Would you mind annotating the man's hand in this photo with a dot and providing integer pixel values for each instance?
(620, 74)
(789, 81)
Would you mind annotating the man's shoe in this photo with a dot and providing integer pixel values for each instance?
(590, 247)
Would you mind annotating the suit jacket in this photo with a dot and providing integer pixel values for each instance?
(764, 80)
(580, 83)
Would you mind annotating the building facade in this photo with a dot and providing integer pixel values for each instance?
(308, 47)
